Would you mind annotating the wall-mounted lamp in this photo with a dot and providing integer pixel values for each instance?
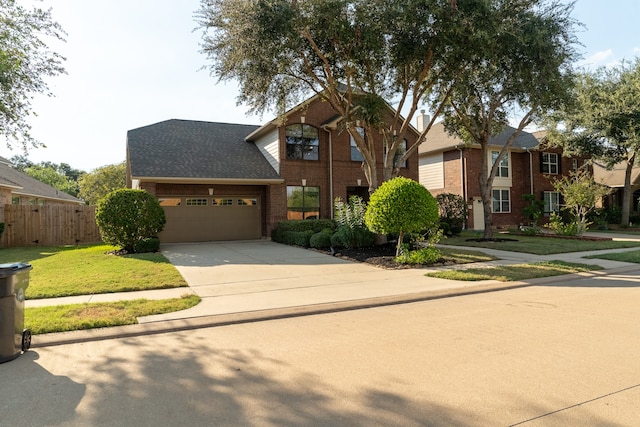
(302, 119)
(359, 181)
(304, 182)
(211, 191)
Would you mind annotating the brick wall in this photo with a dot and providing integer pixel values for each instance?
(346, 172)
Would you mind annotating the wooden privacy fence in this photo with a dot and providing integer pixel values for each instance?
(49, 225)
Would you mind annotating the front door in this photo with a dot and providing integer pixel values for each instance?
(478, 214)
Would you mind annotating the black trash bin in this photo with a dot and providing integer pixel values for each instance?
(14, 339)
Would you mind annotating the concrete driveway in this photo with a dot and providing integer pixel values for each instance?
(249, 276)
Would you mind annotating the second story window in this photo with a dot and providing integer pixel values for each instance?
(302, 142)
(549, 163)
(356, 155)
(503, 167)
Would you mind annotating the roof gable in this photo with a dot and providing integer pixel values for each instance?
(438, 139)
(22, 184)
(196, 149)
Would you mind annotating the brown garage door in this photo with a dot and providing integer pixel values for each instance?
(203, 219)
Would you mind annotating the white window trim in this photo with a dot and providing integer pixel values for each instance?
(508, 190)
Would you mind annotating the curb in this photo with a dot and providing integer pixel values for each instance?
(167, 326)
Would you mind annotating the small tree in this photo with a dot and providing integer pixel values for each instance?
(581, 193)
(453, 212)
(101, 181)
(401, 206)
(127, 218)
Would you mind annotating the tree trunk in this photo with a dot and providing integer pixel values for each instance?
(485, 181)
(626, 194)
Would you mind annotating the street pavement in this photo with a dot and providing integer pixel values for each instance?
(292, 337)
(555, 354)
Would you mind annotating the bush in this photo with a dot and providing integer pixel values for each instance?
(127, 218)
(299, 232)
(424, 256)
(401, 206)
(1, 229)
(316, 225)
(347, 237)
(147, 245)
(562, 228)
(453, 213)
(321, 240)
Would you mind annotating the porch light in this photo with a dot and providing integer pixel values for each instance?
(304, 182)
(211, 191)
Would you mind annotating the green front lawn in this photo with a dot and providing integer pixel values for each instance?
(517, 272)
(539, 245)
(85, 270)
(633, 256)
(72, 317)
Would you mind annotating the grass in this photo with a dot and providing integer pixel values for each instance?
(517, 272)
(538, 245)
(633, 256)
(61, 318)
(85, 270)
(463, 256)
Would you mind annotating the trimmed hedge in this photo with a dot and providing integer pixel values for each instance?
(299, 232)
(316, 225)
(321, 240)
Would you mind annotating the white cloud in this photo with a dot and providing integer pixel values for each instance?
(598, 58)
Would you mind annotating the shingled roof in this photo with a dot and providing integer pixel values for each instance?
(23, 185)
(439, 140)
(195, 149)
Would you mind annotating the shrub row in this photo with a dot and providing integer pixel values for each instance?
(321, 234)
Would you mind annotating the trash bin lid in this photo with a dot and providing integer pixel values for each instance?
(12, 268)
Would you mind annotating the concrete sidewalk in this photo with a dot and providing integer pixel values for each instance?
(258, 280)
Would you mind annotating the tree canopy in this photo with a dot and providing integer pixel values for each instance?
(60, 176)
(357, 55)
(603, 121)
(401, 206)
(102, 181)
(522, 60)
(25, 61)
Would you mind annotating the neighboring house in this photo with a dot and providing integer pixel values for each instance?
(219, 181)
(17, 188)
(614, 178)
(447, 165)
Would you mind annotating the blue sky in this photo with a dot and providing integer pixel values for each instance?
(131, 63)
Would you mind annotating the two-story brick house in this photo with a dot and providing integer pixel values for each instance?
(219, 181)
(447, 165)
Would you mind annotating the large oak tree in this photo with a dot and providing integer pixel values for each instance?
(25, 62)
(603, 121)
(356, 54)
(521, 62)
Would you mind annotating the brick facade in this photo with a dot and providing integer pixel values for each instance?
(461, 177)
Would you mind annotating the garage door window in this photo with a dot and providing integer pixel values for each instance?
(303, 202)
(196, 202)
(222, 202)
(170, 202)
(247, 202)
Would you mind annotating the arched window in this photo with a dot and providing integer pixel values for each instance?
(302, 142)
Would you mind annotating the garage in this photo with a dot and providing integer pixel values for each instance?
(202, 219)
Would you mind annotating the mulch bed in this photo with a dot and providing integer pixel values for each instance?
(379, 255)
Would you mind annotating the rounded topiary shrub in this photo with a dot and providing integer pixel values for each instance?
(321, 240)
(401, 206)
(128, 218)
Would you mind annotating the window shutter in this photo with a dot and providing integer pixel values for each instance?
(541, 162)
(559, 164)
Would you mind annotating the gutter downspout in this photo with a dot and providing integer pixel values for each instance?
(463, 183)
(326, 129)
(530, 168)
